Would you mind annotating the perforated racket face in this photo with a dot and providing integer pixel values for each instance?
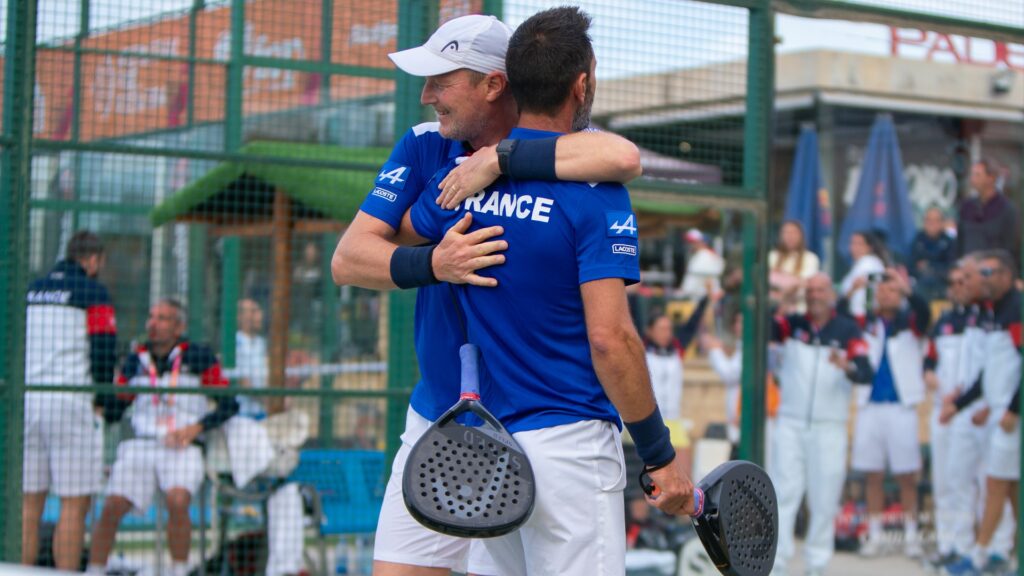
(749, 520)
(741, 520)
(470, 482)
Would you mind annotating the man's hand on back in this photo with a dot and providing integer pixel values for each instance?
(459, 255)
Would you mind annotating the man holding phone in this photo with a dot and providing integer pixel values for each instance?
(886, 428)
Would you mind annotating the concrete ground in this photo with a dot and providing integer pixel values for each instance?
(850, 564)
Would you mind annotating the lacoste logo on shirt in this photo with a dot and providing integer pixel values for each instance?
(626, 249)
(385, 194)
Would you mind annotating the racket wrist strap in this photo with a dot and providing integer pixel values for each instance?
(653, 440)
(412, 266)
(532, 160)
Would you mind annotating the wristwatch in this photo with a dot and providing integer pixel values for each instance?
(505, 148)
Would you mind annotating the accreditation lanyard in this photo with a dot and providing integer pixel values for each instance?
(175, 358)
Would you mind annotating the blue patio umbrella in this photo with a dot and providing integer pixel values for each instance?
(807, 201)
(882, 203)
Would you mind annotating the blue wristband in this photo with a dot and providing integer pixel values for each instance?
(652, 439)
(533, 160)
(411, 266)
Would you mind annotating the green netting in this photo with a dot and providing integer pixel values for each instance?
(218, 149)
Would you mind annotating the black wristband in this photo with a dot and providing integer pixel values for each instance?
(532, 160)
(411, 266)
(504, 150)
(652, 439)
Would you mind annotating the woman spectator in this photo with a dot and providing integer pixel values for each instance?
(666, 344)
(868, 253)
(790, 264)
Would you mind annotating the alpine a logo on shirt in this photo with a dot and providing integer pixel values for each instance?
(626, 249)
(394, 175)
(523, 207)
(385, 194)
(620, 224)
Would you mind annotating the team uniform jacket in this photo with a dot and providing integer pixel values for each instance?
(999, 356)
(666, 364)
(197, 367)
(536, 369)
(814, 389)
(901, 337)
(945, 349)
(70, 328)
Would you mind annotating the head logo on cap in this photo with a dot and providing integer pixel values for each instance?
(474, 42)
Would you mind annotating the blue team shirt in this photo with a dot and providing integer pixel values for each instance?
(883, 387)
(420, 153)
(536, 370)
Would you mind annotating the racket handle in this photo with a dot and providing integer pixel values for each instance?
(469, 353)
(652, 490)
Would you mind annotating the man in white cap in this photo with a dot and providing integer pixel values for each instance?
(464, 66)
(704, 264)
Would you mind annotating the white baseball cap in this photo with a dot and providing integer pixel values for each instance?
(693, 235)
(475, 42)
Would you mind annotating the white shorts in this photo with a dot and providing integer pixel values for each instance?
(886, 433)
(143, 464)
(578, 522)
(403, 540)
(63, 445)
(1003, 458)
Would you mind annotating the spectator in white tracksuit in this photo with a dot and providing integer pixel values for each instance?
(886, 432)
(964, 472)
(822, 355)
(998, 389)
(941, 376)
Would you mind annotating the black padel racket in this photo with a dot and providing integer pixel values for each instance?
(468, 481)
(736, 517)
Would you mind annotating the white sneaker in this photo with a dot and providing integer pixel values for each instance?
(912, 549)
(871, 547)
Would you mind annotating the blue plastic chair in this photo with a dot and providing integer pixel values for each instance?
(349, 485)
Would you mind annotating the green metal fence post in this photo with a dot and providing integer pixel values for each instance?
(235, 88)
(757, 146)
(329, 322)
(230, 292)
(76, 105)
(15, 186)
(413, 17)
(326, 47)
(193, 18)
(197, 282)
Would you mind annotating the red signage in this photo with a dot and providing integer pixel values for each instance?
(955, 49)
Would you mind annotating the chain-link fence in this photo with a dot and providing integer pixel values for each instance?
(215, 150)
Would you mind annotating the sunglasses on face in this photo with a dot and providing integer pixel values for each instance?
(988, 272)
